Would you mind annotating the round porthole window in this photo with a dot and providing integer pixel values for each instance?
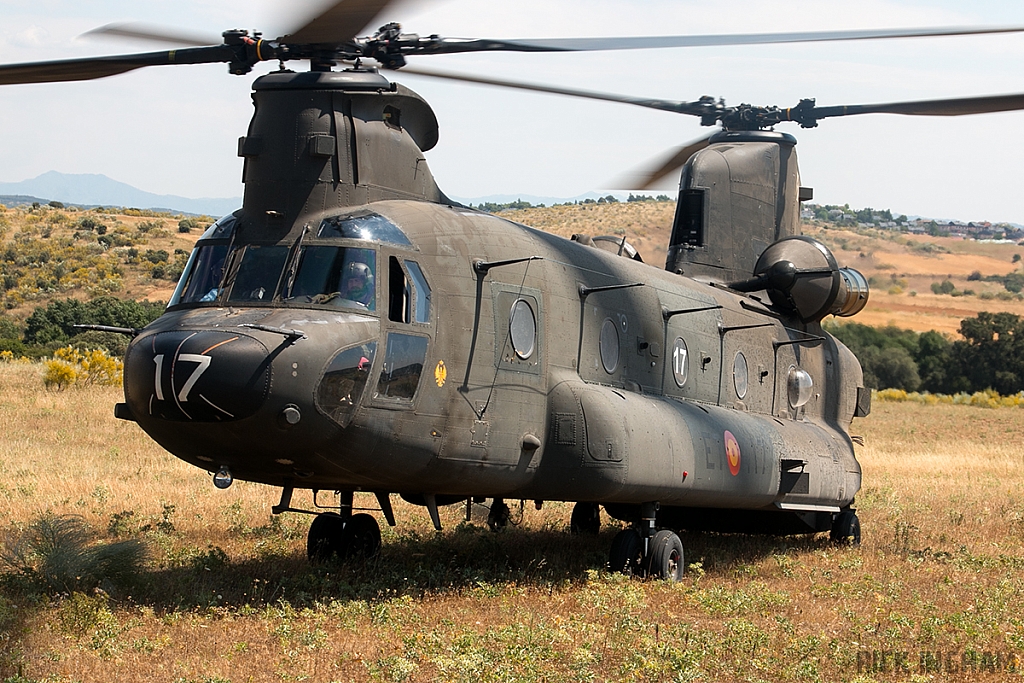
(522, 328)
(609, 346)
(739, 375)
(680, 362)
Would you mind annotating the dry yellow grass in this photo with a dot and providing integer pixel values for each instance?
(939, 572)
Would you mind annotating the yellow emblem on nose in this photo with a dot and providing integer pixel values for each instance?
(440, 373)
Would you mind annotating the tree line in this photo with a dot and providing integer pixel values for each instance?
(990, 355)
(53, 325)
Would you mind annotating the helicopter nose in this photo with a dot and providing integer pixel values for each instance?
(196, 376)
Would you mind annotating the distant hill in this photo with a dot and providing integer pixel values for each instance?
(91, 189)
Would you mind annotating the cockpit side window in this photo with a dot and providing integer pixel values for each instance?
(422, 292)
(201, 280)
(408, 293)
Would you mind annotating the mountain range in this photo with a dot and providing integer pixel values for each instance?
(91, 189)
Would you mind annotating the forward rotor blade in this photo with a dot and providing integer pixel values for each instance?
(454, 45)
(663, 105)
(153, 34)
(645, 178)
(961, 106)
(339, 23)
(89, 68)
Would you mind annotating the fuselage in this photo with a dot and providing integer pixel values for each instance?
(553, 371)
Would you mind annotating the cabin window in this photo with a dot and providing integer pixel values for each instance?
(343, 277)
(739, 375)
(522, 327)
(403, 365)
(343, 382)
(363, 225)
(609, 346)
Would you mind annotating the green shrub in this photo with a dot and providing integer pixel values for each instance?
(60, 553)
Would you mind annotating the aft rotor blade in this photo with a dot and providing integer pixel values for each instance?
(339, 23)
(961, 106)
(454, 45)
(153, 34)
(89, 68)
(645, 178)
(663, 105)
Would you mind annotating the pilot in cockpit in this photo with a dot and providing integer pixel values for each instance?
(357, 284)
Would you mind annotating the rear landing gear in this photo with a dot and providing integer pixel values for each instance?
(665, 556)
(643, 552)
(330, 536)
(846, 528)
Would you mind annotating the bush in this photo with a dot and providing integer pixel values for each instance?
(70, 366)
(61, 554)
(156, 255)
(185, 225)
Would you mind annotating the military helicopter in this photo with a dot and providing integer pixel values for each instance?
(352, 329)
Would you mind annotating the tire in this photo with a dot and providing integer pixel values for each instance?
(324, 537)
(846, 529)
(665, 556)
(627, 553)
(360, 539)
(586, 519)
(499, 516)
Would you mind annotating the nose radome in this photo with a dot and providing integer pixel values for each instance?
(196, 376)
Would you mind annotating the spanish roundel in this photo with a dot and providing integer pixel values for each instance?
(732, 453)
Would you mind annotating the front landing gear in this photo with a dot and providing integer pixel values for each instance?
(330, 536)
(643, 552)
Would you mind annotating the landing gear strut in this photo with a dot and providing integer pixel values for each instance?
(643, 551)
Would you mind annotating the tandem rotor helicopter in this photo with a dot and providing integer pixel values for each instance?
(351, 329)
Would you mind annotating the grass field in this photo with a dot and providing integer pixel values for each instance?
(936, 588)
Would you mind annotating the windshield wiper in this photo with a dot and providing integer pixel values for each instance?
(293, 265)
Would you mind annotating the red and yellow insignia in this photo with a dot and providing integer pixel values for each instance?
(440, 373)
(732, 453)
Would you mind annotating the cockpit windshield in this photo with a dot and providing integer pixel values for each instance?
(335, 276)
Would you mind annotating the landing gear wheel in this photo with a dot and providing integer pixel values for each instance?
(627, 553)
(361, 538)
(586, 519)
(665, 556)
(846, 529)
(324, 537)
(499, 516)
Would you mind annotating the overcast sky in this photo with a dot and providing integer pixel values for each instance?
(173, 130)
